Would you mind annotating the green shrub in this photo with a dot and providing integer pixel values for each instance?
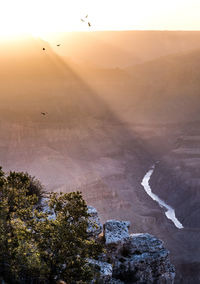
(43, 243)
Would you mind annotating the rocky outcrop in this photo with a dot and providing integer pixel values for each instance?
(142, 259)
(104, 268)
(94, 227)
(133, 258)
(116, 231)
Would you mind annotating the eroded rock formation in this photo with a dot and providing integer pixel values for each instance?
(132, 258)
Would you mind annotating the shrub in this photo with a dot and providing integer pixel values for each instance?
(43, 243)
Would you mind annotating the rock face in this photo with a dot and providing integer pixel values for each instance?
(116, 231)
(142, 259)
(95, 227)
(135, 258)
(105, 269)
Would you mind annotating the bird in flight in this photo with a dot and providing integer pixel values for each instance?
(84, 20)
(43, 48)
(44, 113)
(58, 44)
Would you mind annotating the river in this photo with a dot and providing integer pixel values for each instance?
(169, 211)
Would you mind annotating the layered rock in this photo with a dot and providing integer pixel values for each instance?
(133, 258)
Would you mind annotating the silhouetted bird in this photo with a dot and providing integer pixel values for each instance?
(44, 113)
(84, 18)
(85, 21)
(43, 48)
(58, 44)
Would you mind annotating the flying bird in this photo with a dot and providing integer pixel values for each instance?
(58, 44)
(43, 48)
(84, 20)
(44, 113)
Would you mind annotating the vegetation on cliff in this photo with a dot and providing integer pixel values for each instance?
(43, 236)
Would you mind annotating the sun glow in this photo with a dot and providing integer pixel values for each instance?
(36, 17)
(41, 18)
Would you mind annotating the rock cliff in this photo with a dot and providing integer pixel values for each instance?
(130, 258)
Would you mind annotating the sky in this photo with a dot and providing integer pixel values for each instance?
(41, 17)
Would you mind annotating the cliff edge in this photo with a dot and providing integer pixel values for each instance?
(130, 258)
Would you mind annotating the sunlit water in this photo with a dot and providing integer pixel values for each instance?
(170, 213)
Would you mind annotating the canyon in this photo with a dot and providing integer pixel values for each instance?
(110, 117)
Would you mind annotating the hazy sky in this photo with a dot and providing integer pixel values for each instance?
(42, 16)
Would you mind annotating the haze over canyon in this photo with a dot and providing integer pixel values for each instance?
(115, 104)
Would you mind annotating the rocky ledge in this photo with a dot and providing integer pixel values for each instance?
(130, 258)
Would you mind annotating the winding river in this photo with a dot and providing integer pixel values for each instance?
(169, 211)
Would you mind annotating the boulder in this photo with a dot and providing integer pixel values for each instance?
(143, 259)
(116, 232)
(140, 243)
